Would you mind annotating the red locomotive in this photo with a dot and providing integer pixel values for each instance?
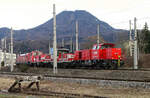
(100, 56)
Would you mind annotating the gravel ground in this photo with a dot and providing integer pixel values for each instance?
(106, 74)
(82, 89)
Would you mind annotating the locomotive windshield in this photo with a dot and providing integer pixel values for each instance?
(60, 50)
(94, 47)
(103, 46)
(63, 50)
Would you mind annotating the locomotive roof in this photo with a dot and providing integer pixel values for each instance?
(63, 49)
(110, 44)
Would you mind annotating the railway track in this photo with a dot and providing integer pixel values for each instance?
(45, 76)
(89, 69)
(52, 94)
(46, 93)
(98, 68)
(135, 83)
(60, 95)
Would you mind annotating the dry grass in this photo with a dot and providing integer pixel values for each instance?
(95, 90)
(82, 89)
(5, 83)
(144, 61)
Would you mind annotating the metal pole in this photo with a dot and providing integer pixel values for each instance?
(49, 45)
(9, 48)
(54, 42)
(63, 43)
(5, 51)
(77, 45)
(2, 54)
(2, 46)
(135, 46)
(11, 57)
(138, 53)
(71, 45)
(98, 34)
(0, 59)
(130, 38)
(9, 53)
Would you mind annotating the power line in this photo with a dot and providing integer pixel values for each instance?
(127, 21)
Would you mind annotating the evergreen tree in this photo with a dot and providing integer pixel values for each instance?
(144, 40)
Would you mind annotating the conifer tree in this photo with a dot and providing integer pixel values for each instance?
(144, 40)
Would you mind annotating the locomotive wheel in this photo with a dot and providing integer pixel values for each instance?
(107, 67)
(114, 67)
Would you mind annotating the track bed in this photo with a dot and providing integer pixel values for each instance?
(128, 74)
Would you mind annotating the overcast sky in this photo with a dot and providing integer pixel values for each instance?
(24, 14)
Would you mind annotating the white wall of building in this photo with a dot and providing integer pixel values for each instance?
(8, 55)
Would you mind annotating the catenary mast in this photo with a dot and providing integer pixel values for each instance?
(54, 42)
(11, 57)
(77, 43)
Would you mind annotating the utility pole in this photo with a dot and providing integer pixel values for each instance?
(77, 43)
(63, 43)
(2, 46)
(71, 45)
(98, 34)
(135, 46)
(9, 53)
(2, 42)
(130, 38)
(0, 59)
(5, 51)
(11, 57)
(49, 44)
(9, 48)
(54, 42)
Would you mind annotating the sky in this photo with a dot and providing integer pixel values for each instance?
(25, 14)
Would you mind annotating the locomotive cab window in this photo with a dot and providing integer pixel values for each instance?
(63, 50)
(107, 46)
(94, 47)
(98, 47)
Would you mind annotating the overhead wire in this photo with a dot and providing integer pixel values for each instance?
(139, 26)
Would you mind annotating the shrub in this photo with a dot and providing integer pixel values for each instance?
(23, 67)
(2, 63)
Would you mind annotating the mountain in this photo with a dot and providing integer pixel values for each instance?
(66, 27)
(65, 22)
